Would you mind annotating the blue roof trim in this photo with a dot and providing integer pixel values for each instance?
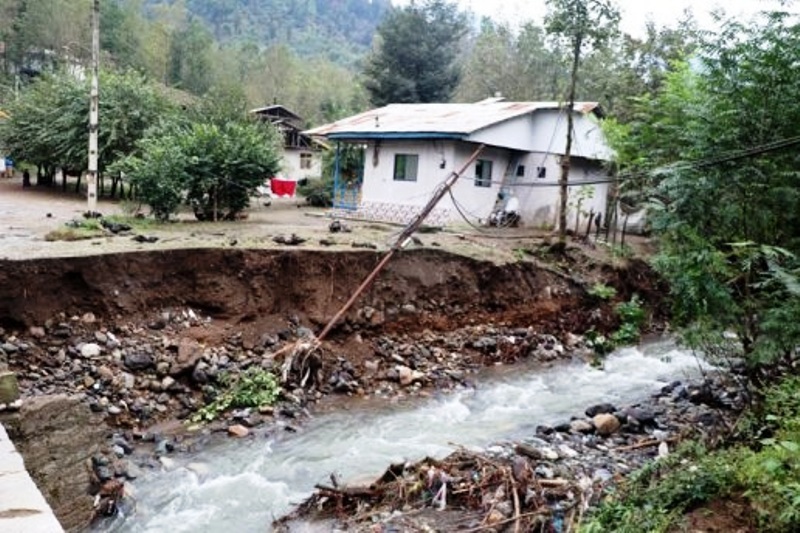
(365, 135)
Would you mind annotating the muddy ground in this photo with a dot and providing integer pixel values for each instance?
(139, 331)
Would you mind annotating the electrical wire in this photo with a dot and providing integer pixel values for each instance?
(690, 165)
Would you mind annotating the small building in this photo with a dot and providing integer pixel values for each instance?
(302, 157)
(411, 148)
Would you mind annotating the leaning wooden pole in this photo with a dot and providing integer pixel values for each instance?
(94, 109)
(406, 234)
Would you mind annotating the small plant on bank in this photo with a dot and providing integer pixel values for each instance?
(632, 317)
(76, 230)
(601, 291)
(253, 388)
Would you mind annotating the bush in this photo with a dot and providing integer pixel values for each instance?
(253, 388)
(317, 192)
(213, 167)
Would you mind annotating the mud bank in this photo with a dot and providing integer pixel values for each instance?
(255, 285)
(139, 337)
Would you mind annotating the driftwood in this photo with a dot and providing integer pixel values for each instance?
(353, 492)
(644, 444)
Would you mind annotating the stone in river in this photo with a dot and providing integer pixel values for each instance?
(606, 424)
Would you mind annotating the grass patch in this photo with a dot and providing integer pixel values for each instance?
(764, 469)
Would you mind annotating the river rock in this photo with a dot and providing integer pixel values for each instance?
(606, 424)
(581, 426)
(641, 416)
(601, 408)
(36, 331)
(189, 353)
(139, 361)
(105, 374)
(9, 347)
(238, 430)
(9, 388)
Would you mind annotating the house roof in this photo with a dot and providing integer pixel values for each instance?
(431, 121)
(277, 111)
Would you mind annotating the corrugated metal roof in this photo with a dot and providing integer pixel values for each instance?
(451, 120)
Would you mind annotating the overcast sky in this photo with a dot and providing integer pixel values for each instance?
(634, 12)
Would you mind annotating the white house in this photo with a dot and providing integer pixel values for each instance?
(412, 148)
(302, 157)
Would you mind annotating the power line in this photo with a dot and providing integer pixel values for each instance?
(689, 165)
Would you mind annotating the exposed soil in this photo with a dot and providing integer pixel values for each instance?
(247, 297)
(733, 515)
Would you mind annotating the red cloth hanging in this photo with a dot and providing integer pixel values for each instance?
(282, 187)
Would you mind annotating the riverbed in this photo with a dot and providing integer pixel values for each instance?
(244, 485)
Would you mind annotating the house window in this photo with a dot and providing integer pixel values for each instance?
(520, 171)
(405, 167)
(483, 173)
(541, 172)
(305, 160)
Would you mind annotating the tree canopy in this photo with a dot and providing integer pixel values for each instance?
(416, 55)
(713, 149)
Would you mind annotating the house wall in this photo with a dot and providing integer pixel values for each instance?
(539, 197)
(380, 186)
(550, 134)
(536, 138)
(290, 165)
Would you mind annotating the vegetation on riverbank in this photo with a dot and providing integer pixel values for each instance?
(759, 468)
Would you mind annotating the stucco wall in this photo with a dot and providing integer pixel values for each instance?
(290, 165)
(380, 186)
(539, 197)
(537, 138)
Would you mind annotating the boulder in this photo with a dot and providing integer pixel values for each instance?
(606, 424)
(189, 353)
(642, 416)
(238, 430)
(581, 426)
(9, 388)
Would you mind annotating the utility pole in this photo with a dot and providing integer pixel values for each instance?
(94, 108)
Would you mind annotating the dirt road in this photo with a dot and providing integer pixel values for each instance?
(28, 215)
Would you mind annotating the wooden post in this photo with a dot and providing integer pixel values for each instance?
(94, 109)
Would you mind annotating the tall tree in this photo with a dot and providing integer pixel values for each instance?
(415, 58)
(718, 144)
(580, 24)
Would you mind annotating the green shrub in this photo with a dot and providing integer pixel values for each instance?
(317, 192)
(601, 291)
(253, 388)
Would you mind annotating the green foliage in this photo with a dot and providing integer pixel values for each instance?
(632, 317)
(254, 387)
(766, 474)
(728, 226)
(417, 52)
(317, 192)
(49, 121)
(654, 498)
(214, 167)
(601, 291)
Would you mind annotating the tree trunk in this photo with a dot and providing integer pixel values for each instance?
(563, 181)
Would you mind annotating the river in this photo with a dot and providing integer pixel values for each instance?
(242, 485)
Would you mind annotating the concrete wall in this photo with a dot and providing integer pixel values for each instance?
(57, 435)
(23, 509)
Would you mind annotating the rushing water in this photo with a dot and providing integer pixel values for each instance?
(243, 485)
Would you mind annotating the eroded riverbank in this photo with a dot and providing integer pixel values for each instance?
(142, 338)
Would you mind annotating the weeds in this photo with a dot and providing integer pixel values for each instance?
(253, 388)
(766, 473)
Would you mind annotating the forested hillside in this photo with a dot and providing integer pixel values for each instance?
(340, 30)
